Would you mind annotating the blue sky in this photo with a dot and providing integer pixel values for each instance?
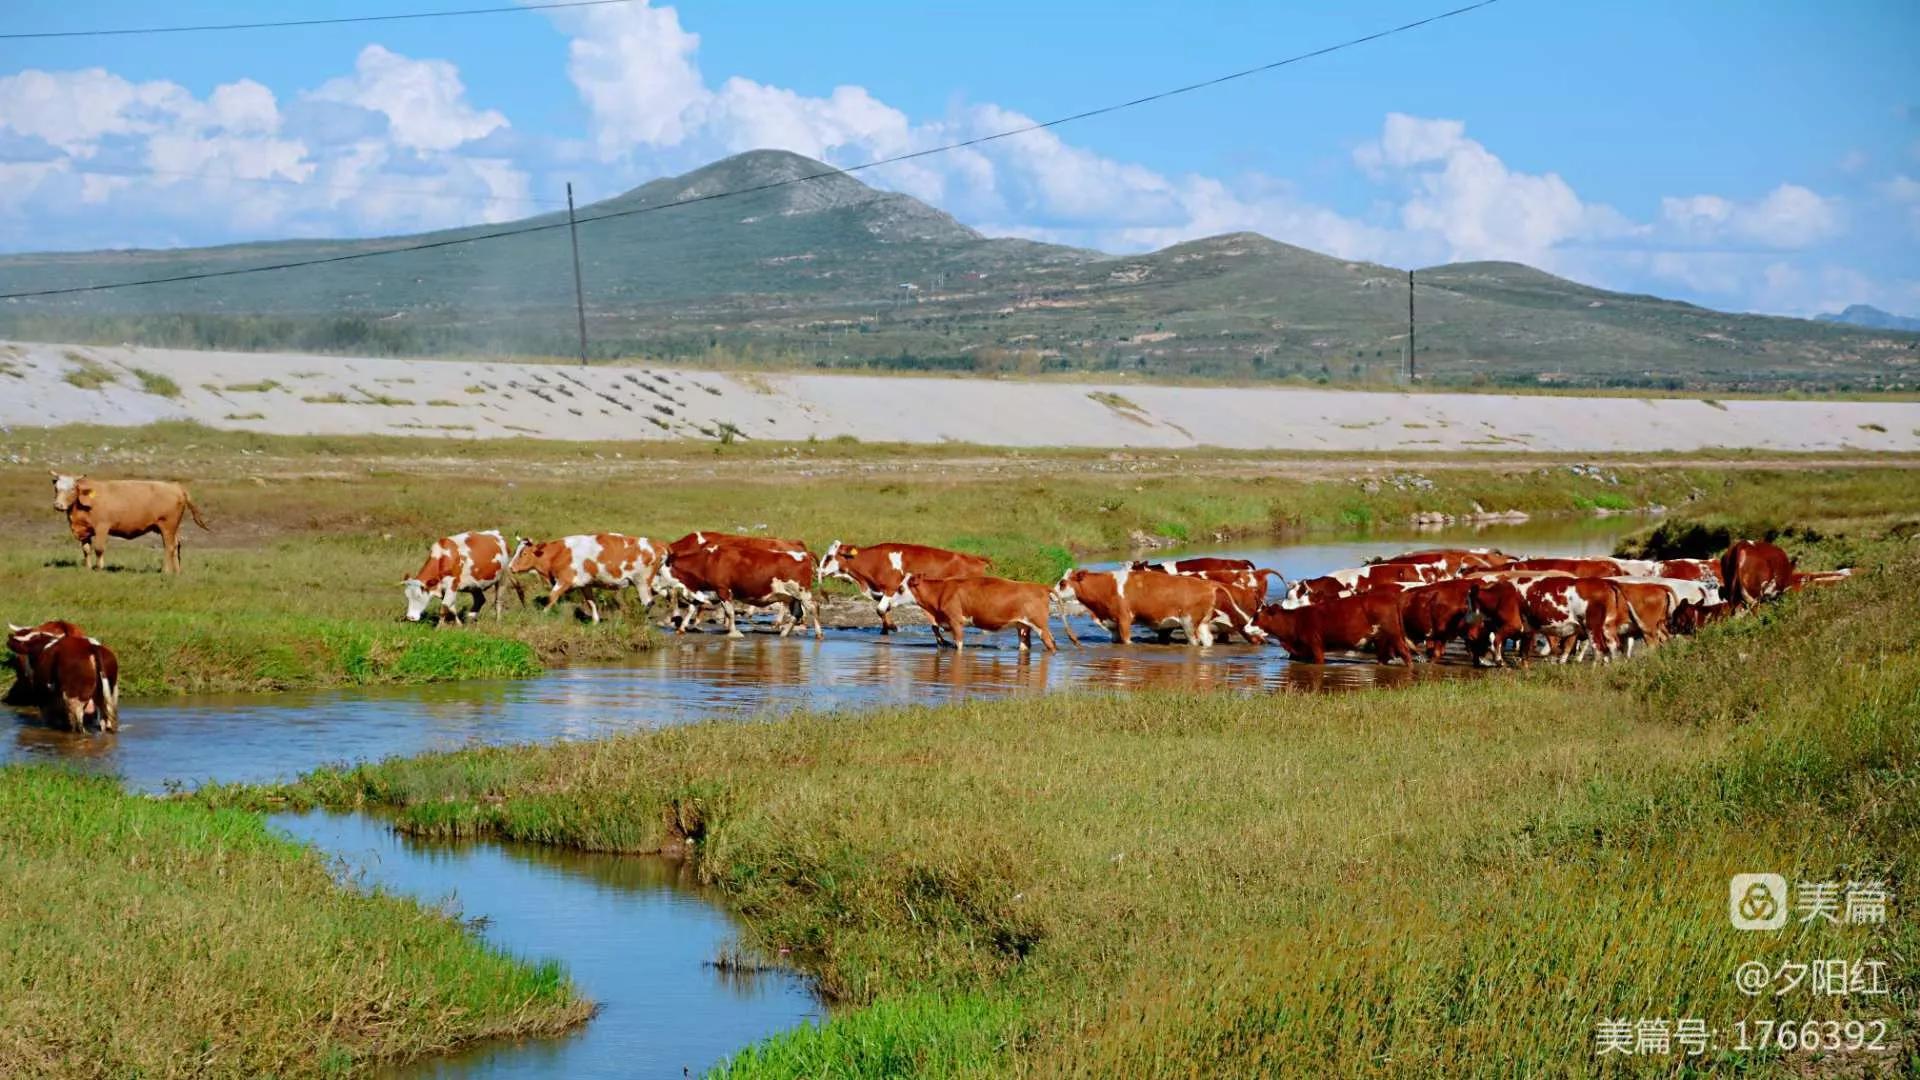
(1747, 156)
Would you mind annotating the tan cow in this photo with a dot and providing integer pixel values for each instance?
(97, 509)
(686, 609)
(880, 569)
(1118, 599)
(990, 603)
(588, 563)
(468, 562)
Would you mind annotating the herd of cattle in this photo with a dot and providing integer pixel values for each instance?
(1422, 600)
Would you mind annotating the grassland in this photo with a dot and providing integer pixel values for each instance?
(1454, 879)
(151, 939)
(297, 584)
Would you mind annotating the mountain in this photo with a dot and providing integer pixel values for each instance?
(1872, 317)
(832, 273)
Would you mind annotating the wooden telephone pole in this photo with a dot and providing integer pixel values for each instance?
(1411, 375)
(579, 293)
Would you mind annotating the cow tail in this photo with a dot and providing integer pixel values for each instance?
(109, 689)
(1065, 622)
(1730, 573)
(195, 511)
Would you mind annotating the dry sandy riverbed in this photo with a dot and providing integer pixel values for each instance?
(327, 395)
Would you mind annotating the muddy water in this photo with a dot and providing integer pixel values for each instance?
(265, 737)
(635, 933)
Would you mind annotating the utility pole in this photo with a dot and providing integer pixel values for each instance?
(1410, 362)
(579, 293)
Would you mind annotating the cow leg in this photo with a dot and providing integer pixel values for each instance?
(170, 547)
(593, 609)
(1046, 637)
(886, 622)
(76, 712)
(1026, 637)
(1123, 625)
(733, 626)
(810, 605)
(958, 627)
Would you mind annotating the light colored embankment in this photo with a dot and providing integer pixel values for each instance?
(291, 394)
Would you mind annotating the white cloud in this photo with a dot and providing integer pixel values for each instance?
(424, 100)
(1789, 216)
(633, 66)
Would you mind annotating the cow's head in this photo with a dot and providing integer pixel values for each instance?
(1067, 587)
(525, 555)
(70, 491)
(830, 561)
(902, 595)
(417, 597)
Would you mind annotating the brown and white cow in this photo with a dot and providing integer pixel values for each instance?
(1452, 561)
(71, 676)
(468, 562)
(24, 645)
(990, 603)
(879, 570)
(1580, 566)
(686, 609)
(1567, 609)
(1369, 619)
(1205, 564)
(97, 509)
(1499, 618)
(1120, 599)
(1373, 575)
(1690, 618)
(730, 574)
(1690, 570)
(1754, 570)
(587, 563)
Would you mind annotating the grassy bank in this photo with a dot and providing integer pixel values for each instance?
(140, 938)
(297, 584)
(1454, 879)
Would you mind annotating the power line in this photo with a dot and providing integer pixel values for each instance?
(770, 185)
(124, 31)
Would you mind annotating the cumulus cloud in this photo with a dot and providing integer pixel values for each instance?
(100, 155)
(1789, 216)
(424, 101)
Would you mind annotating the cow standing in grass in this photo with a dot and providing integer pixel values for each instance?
(588, 563)
(97, 509)
(1754, 570)
(468, 562)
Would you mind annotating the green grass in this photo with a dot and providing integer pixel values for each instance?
(261, 387)
(158, 939)
(88, 373)
(155, 383)
(1454, 879)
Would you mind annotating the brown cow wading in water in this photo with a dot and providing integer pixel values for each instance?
(128, 509)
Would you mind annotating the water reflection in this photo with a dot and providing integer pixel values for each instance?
(635, 933)
(269, 737)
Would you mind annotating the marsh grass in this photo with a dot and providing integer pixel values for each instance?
(156, 939)
(88, 373)
(1452, 879)
(155, 383)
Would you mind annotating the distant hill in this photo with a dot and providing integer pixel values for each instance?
(1869, 316)
(834, 274)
